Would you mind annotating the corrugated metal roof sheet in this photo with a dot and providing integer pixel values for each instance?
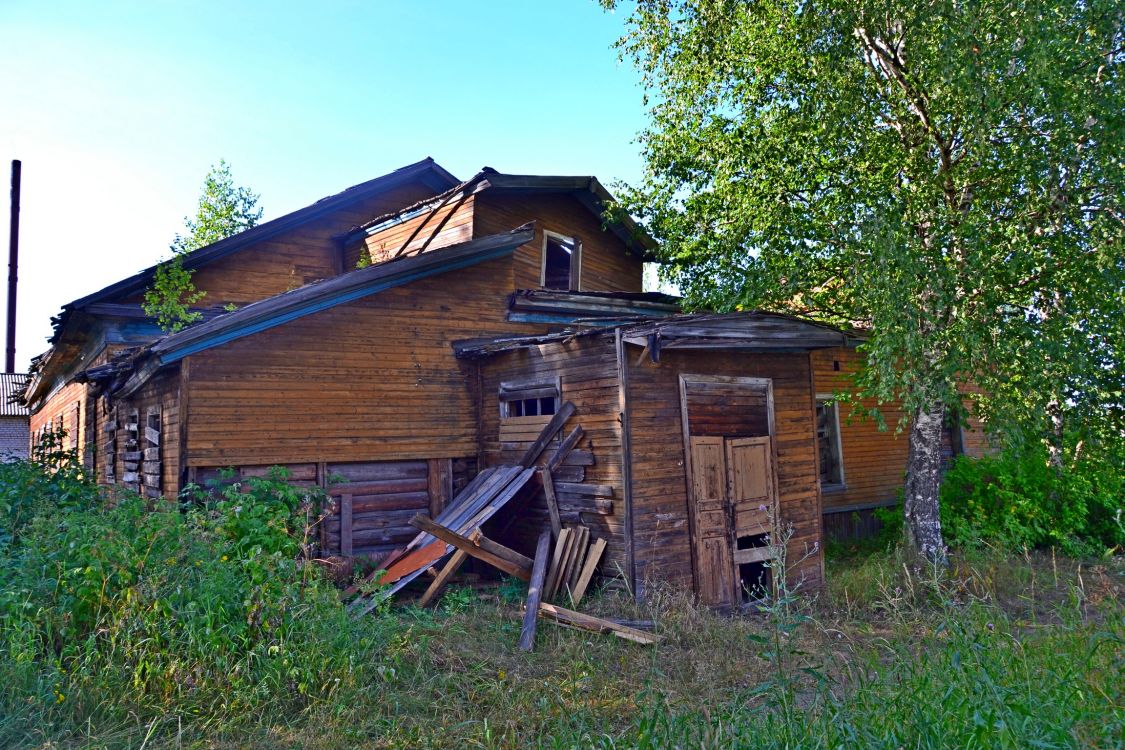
(11, 385)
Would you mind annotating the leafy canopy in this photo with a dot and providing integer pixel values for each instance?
(948, 174)
(224, 209)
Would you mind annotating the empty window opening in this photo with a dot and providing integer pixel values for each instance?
(561, 262)
(828, 444)
(539, 399)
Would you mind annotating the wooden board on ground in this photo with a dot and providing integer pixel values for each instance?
(569, 617)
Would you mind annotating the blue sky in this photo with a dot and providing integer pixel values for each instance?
(118, 109)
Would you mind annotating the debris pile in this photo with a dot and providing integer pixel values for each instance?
(566, 557)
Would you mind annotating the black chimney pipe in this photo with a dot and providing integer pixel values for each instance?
(13, 265)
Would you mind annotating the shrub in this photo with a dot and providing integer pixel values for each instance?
(113, 614)
(1018, 501)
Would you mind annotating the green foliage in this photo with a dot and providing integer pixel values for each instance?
(52, 479)
(1019, 501)
(224, 210)
(266, 514)
(112, 614)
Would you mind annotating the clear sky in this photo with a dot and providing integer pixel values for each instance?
(118, 109)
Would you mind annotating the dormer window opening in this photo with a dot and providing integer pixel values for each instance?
(562, 262)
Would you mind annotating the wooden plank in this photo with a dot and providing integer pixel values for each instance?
(559, 456)
(549, 432)
(469, 546)
(151, 435)
(439, 484)
(755, 554)
(552, 501)
(447, 572)
(587, 574)
(507, 553)
(553, 574)
(346, 526)
(535, 592)
(593, 490)
(595, 624)
(574, 569)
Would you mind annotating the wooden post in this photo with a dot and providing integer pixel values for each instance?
(440, 484)
(474, 549)
(346, 526)
(552, 501)
(535, 592)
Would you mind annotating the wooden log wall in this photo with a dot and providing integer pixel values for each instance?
(445, 225)
(587, 371)
(373, 379)
(661, 526)
(606, 264)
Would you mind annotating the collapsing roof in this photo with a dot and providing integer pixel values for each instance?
(740, 331)
(585, 189)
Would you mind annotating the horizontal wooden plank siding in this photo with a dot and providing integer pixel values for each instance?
(606, 265)
(373, 379)
(295, 258)
(586, 369)
(661, 524)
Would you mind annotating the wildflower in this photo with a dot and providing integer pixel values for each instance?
(223, 558)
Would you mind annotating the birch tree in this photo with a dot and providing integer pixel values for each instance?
(947, 175)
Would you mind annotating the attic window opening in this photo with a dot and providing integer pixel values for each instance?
(562, 262)
(528, 399)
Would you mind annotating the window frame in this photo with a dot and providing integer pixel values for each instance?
(509, 393)
(574, 283)
(829, 401)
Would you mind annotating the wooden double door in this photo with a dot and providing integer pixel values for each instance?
(733, 488)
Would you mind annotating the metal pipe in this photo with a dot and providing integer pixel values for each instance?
(13, 266)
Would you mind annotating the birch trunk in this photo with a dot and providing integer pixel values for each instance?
(923, 480)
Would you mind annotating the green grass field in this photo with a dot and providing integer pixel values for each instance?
(1003, 652)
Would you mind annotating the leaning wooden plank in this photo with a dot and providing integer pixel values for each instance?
(535, 592)
(568, 443)
(447, 572)
(552, 501)
(574, 569)
(469, 546)
(435, 550)
(548, 433)
(556, 561)
(587, 574)
(507, 553)
(595, 624)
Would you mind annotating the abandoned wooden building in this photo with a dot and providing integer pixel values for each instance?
(391, 341)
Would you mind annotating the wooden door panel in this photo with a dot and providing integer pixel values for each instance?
(750, 467)
(713, 542)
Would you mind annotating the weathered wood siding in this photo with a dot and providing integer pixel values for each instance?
(874, 460)
(587, 372)
(373, 379)
(66, 409)
(439, 227)
(297, 257)
(661, 523)
(606, 265)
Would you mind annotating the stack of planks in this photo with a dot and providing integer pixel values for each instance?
(573, 564)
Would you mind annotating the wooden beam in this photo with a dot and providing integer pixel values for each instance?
(556, 561)
(568, 443)
(470, 547)
(535, 592)
(549, 432)
(346, 526)
(552, 501)
(583, 621)
(455, 562)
